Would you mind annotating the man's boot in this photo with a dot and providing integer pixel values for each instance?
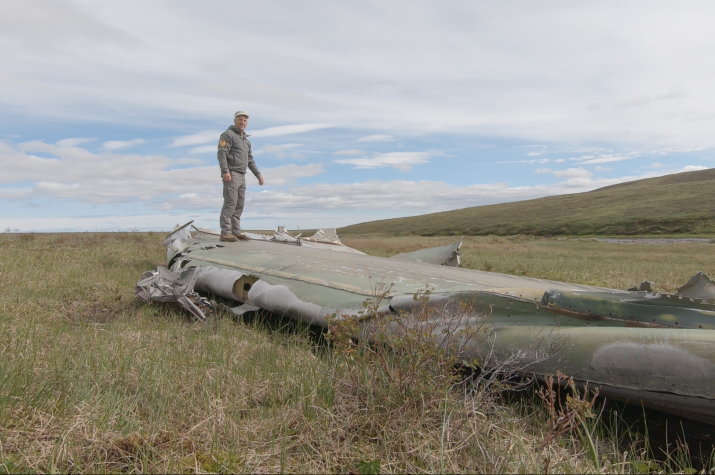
(242, 236)
(228, 237)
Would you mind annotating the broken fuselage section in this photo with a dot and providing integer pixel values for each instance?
(639, 346)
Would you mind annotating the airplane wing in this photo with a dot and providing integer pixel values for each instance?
(636, 345)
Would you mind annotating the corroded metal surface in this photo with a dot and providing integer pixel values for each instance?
(649, 348)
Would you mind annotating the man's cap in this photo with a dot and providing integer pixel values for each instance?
(240, 113)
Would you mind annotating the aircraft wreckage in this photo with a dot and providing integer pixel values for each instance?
(635, 345)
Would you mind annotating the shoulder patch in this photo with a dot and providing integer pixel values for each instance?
(222, 143)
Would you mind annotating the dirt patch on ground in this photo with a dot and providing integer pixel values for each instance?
(656, 241)
(92, 312)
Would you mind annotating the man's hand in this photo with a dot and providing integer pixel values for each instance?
(226, 177)
(260, 181)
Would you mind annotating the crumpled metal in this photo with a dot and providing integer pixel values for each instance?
(165, 286)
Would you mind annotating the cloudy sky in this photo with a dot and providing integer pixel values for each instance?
(110, 112)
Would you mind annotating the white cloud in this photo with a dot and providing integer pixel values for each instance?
(643, 100)
(65, 21)
(667, 150)
(599, 168)
(204, 136)
(76, 174)
(606, 157)
(534, 154)
(208, 198)
(402, 161)
(117, 69)
(207, 136)
(656, 165)
(352, 151)
(377, 138)
(538, 160)
(120, 144)
(287, 174)
(415, 197)
(614, 158)
(288, 129)
(72, 142)
(573, 173)
(204, 149)
(193, 201)
(280, 151)
(693, 168)
(568, 173)
(42, 147)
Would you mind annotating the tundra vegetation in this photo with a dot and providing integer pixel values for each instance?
(93, 381)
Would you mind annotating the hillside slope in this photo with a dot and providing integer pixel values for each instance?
(683, 203)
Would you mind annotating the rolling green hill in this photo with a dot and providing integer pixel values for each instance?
(683, 203)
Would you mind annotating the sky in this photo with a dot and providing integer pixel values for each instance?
(110, 112)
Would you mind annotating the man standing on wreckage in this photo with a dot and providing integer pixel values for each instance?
(234, 156)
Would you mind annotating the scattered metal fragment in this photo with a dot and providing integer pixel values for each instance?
(178, 240)
(240, 309)
(281, 235)
(700, 286)
(328, 236)
(644, 286)
(441, 256)
(166, 286)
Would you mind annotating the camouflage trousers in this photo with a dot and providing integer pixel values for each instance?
(234, 197)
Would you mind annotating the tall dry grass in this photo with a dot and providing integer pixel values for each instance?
(93, 381)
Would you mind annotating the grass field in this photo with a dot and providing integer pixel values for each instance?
(669, 205)
(93, 381)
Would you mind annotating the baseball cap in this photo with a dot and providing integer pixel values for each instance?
(240, 113)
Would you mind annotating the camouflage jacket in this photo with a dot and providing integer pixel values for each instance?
(234, 153)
